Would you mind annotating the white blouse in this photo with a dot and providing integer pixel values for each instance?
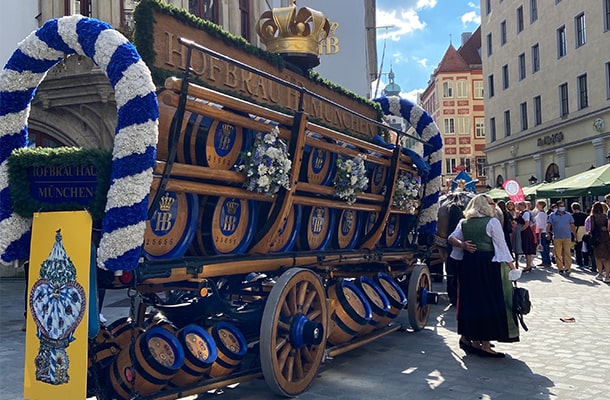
(493, 230)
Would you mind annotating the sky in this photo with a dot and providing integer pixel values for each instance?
(420, 33)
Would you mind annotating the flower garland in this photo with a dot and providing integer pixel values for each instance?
(135, 137)
(406, 195)
(267, 165)
(350, 178)
(427, 130)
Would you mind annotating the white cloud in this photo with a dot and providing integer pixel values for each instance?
(421, 61)
(411, 95)
(471, 17)
(408, 21)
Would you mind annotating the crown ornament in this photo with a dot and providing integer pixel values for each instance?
(166, 202)
(294, 34)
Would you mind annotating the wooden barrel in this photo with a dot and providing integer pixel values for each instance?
(172, 227)
(379, 302)
(124, 331)
(319, 165)
(317, 228)
(203, 140)
(199, 354)
(370, 220)
(349, 228)
(161, 321)
(232, 347)
(395, 295)
(157, 357)
(351, 311)
(103, 349)
(392, 234)
(289, 232)
(378, 176)
(226, 225)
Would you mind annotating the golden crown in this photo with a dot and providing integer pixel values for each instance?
(285, 30)
(232, 206)
(165, 204)
(227, 128)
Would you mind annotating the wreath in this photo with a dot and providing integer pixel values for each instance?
(135, 140)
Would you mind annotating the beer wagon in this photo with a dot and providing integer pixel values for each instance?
(273, 241)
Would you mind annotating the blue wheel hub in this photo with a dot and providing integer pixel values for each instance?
(304, 332)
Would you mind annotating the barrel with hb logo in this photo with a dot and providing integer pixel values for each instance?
(226, 225)
(318, 166)
(172, 227)
(395, 295)
(317, 228)
(288, 234)
(203, 140)
(349, 227)
(231, 346)
(157, 357)
(378, 176)
(380, 304)
(199, 354)
(392, 234)
(351, 311)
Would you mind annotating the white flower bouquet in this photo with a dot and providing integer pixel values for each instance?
(267, 165)
(350, 178)
(406, 195)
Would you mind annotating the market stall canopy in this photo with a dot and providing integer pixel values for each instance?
(531, 192)
(497, 194)
(594, 182)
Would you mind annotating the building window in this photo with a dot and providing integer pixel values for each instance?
(478, 89)
(507, 131)
(465, 162)
(244, 11)
(450, 165)
(490, 84)
(205, 9)
(488, 6)
(521, 66)
(481, 161)
(519, 19)
(449, 125)
(564, 108)
(608, 80)
(479, 127)
(490, 44)
(503, 32)
(463, 125)
(583, 97)
(533, 11)
(535, 58)
(462, 88)
(505, 82)
(606, 15)
(447, 89)
(492, 129)
(580, 29)
(73, 7)
(523, 109)
(562, 46)
(537, 110)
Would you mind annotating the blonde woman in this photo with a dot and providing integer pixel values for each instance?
(484, 309)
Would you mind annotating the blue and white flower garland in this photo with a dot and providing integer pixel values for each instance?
(428, 131)
(135, 137)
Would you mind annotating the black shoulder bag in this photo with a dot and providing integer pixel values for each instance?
(521, 304)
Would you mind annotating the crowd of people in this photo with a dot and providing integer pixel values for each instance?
(487, 244)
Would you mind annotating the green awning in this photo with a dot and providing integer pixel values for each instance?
(594, 182)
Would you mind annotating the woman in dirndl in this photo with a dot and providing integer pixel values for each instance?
(484, 309)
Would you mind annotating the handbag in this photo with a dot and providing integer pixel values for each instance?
(522, 304)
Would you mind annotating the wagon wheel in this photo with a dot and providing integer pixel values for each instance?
(417, 297)
(293, 332)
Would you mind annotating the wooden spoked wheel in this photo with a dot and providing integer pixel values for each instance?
(293, 332)
(417, 297)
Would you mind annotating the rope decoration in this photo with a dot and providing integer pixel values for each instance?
(135, 136)
(428, 131)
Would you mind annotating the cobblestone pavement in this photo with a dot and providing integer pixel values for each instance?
(553, 360)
